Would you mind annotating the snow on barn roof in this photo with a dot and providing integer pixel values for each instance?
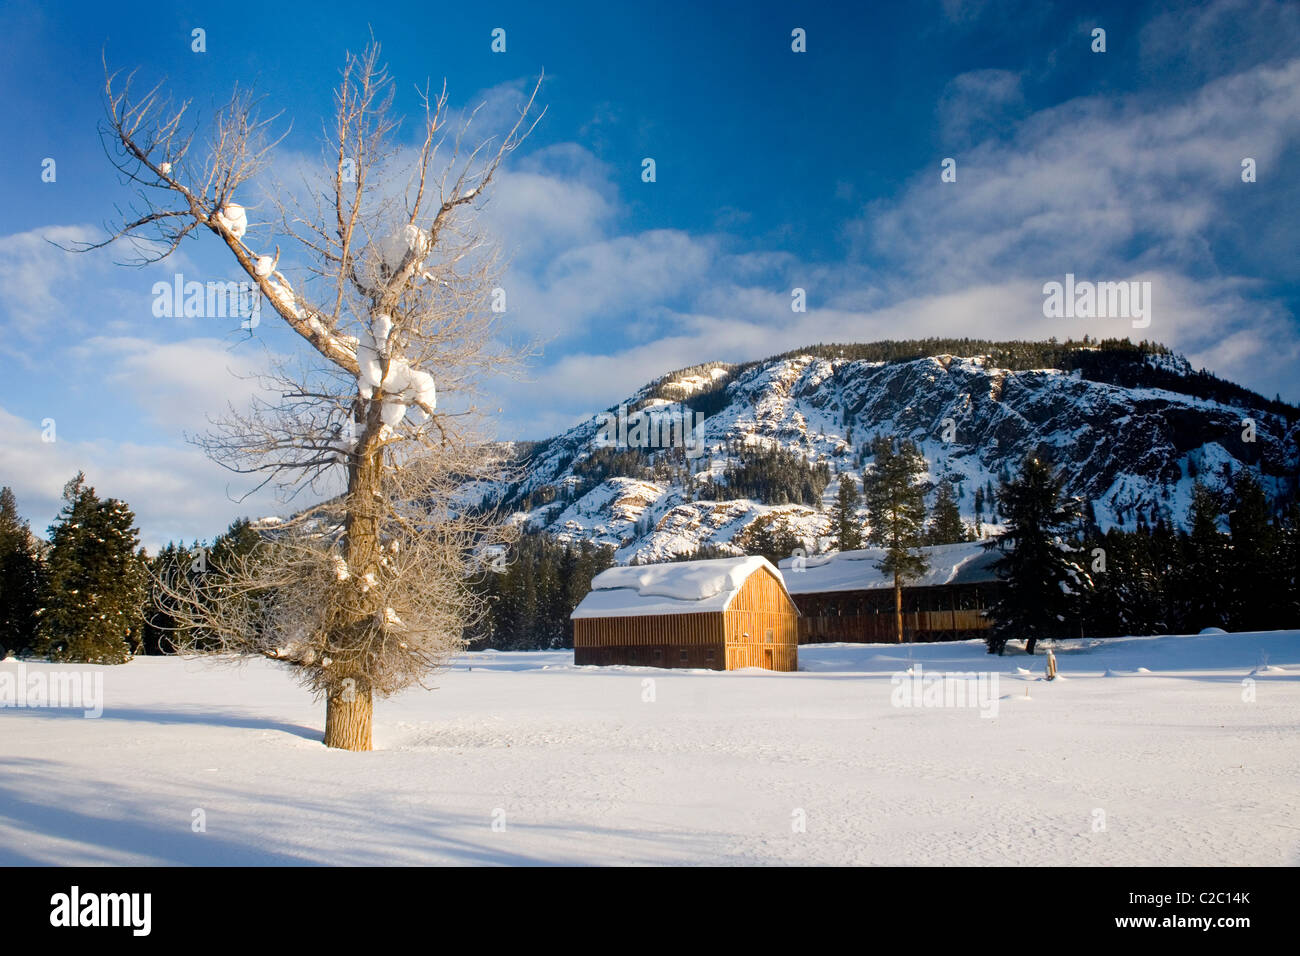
(965, 563)
(683, 587)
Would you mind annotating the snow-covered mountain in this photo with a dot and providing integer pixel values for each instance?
(1131, 427)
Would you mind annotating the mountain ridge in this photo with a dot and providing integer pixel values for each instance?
(1133, 425)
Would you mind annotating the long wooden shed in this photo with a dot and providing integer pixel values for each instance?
(844, 596)
(719, 614)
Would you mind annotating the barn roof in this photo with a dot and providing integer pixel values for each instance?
(965, 563)
(683, 587)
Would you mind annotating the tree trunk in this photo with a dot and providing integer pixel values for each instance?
(1029, 645)
(349, 705)
(365, 486)
(898, 610)
(347, 717)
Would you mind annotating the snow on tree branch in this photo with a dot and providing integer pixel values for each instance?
(391, 288)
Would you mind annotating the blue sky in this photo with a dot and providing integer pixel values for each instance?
(775, 170)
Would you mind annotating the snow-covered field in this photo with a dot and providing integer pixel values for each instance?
(523, 758)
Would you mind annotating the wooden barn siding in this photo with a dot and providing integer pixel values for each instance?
(762, 604)
(635, 640)
(920, 626)
(929, 614)
(705, 628)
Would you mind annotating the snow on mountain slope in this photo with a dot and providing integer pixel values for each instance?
(1132, 450)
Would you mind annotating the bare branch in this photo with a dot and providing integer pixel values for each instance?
(392, 289)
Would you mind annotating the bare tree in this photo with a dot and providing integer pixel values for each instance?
(367, 593)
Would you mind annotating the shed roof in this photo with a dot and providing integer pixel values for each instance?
(683, 587)
(968, 562)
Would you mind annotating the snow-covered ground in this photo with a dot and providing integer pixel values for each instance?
(1149, 751)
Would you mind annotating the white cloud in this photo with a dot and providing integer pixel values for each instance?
(175, 492)
(978, 103)
(1093, 183)
(1219, 37)
(181, 383)
(34, 273)
(1127, 188)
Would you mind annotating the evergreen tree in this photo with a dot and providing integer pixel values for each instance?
(771, 475)
(529, 603)
(1165, 556)
(1128, 596)
(1201, 583)
(95, 590)
(771, 536)
(1254, 557)
(845, 525)
(550, 615)
(1040, 569)
(896, 512)
(1089, 527)
(20, 578)
(212, 562)
(568, 572)
(1289, 568)
(237, 541)
(946, 526)
(167, 565)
